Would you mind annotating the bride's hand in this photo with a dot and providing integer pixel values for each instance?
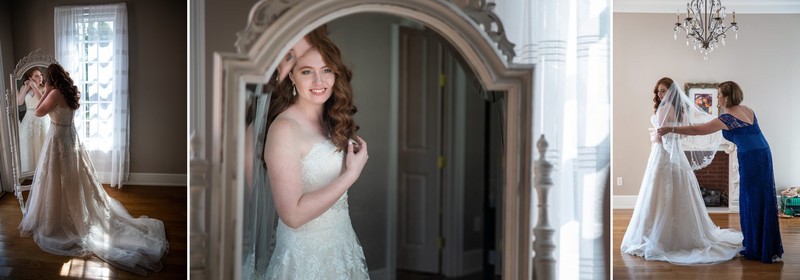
(654, 137)
(356, 157)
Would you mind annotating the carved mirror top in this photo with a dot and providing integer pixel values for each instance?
(266, 12)
(34, 59)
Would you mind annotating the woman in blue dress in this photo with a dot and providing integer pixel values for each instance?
(757, 201)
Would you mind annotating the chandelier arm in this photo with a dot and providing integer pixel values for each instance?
(708, 33)
(724, 32)
(705, 25)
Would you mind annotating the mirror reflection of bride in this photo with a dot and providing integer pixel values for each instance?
(32, 129)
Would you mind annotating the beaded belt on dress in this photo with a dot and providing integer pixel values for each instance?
(60, 124)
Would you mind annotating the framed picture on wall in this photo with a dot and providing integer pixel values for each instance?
(705, 96)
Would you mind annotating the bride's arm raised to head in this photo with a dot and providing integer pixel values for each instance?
(22, 92)
(49, 102)
(283, 156)
(37, 92)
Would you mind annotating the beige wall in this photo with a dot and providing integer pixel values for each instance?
(764, 60)
(157, 79)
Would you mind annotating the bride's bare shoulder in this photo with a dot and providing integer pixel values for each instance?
(284, 126)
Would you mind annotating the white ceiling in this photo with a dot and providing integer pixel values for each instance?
(740, 6)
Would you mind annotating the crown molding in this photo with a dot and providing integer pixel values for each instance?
(740, 6)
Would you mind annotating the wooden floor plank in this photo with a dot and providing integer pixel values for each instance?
(633, 267)
(21, 258)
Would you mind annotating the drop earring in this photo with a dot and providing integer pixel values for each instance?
(294, 90)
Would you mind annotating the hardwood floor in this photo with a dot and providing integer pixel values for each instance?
(413, 275)
(632, 267)
(21, 258)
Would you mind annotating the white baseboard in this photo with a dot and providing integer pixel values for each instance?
(379, 274)
(629, 201)
(719, 210)
(624, 201)
(157, 179)
(151, 179)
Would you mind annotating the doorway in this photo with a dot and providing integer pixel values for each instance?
(449, 153)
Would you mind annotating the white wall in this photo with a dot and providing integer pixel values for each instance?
(764, 60)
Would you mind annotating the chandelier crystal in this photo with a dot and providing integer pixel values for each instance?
(705, 25)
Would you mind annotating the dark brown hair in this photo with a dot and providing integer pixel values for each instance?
(338, 110)
(657, 100)
(59, 79)
(733, 93)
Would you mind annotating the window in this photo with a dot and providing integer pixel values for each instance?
(92, 45)
(96, 40)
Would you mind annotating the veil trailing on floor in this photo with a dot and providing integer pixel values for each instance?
(678, 109)
(670, 221)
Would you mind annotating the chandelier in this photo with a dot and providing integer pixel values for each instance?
(704, 25)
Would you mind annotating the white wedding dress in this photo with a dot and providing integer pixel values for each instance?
(670, 221)
(69, 213)
(32, 131)
(326, 247)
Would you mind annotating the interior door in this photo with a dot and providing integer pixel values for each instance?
(419, 144)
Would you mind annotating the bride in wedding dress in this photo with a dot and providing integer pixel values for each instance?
(311, 162)
(32, 129)
(670, 221)
(68, 212)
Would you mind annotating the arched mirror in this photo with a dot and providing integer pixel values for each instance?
(447, 188)
(26, 131)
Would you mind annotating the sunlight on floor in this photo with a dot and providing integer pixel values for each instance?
(88, 269)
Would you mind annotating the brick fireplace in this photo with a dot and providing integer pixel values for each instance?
(723, 175)
(716, 177)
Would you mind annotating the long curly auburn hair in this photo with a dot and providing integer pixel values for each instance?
(338, 110)
(59, 79)
(663, 81)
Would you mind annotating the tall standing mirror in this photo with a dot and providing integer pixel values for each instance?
(447, 118)
(26, 131)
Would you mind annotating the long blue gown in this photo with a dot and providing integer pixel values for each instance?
(757, 202)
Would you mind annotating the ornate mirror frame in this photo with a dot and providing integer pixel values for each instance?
(11, 173)
(469, 26)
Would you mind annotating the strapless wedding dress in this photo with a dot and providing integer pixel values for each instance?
(670, 221)
(32, 131)
(69, 213)
(326, 247)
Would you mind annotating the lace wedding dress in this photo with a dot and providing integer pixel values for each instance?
(32, 131)
(326, 247)
(670, 221)
(69, 213)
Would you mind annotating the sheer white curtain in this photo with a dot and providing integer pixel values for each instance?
(569, 41)
(92, 45)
